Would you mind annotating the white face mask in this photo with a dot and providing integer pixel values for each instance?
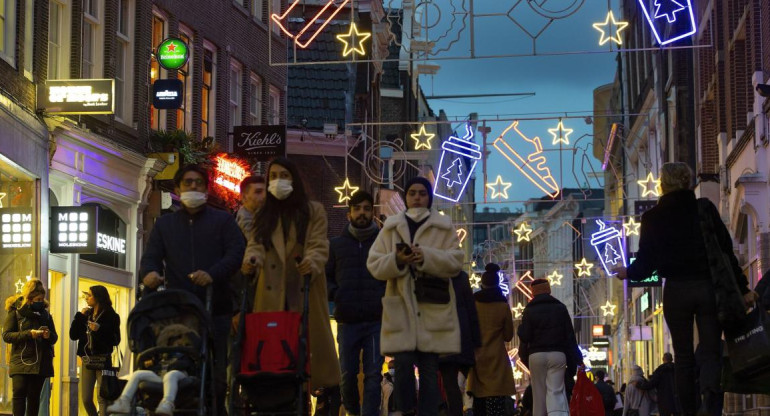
(193, 199)
(280, 188)
(417, 214)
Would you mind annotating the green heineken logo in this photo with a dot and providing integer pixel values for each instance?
(172, 53)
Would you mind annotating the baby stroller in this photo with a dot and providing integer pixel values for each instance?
(271, 361)
(149, 317)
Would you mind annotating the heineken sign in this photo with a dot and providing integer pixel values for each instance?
(172, 53)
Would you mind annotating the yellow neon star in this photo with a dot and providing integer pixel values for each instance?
(584, 268)
(2, 195)
(518, 310)
(523, 232)
(475, 281)
(346, 191)
(608, 309)
(495, 188)
(19, 286)
(650, 186)
(555, 278)
(354, 36)
(560, 133)
(422, 139)
(605, 28)
(632, 227)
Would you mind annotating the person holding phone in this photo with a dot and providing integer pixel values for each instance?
(30, 330)
(97, 330)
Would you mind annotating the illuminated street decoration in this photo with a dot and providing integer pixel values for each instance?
(314, 26)
(666, 19)
(608, 243)
(461, 156)
(518, 310)
(584, 268)
(533, 166)
(608, 309)
(595, 355)
(606, 29)
(354, 41)
(650, 186)
(555, 278)
(229, 173)
(632, 227)
(19, 286)
(513, 356)
(503, 283)
(523, 285)
(422, 139)
(522, 233)
(345, 191)
(610, 143)
(560, 133)
(2, 195)
(517, 374)
(497, 186)
(475, 281)
(461, 235)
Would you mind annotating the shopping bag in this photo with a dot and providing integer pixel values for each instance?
(112, 386)
(586, 399)
(758, 384)
(748, 344)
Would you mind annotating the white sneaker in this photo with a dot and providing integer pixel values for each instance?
(165, 407)
(120, 406)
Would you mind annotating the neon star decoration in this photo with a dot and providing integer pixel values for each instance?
(345, 191)
(19, 286)
(665, 19)
(354, 37)
(475, 281)
(499, 188)
(606, 28)
(555, 278)
(522, 233)
(422, 139)
(650, 186)
(608, 309)
(523, 285)
(584, 268)
(2, 195)
(461, 156)
(608, 243)
(533, 166)
(560, 133)
(631, 227)
(518, 310)
(312, 28)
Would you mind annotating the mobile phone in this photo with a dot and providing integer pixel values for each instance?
(405, 248)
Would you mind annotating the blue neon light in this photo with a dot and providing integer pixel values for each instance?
(503, 284)
(673, 11)
(608, 243)
(453, 177)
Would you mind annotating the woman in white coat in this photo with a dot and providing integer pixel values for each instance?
(638, 401)
(417, 253)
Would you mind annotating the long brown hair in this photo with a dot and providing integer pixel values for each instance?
(295, 208)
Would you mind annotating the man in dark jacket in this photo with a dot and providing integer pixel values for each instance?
(607, 392)
(357, 306)
(664, 382)
(192, 248)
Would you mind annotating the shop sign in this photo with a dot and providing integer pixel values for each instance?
(110, 239)
(167, 94)
(259, 143)
(172, 53)
(73, 229)
(16, 229)
(653, 280)
(79, 96)
(110, 243)
(229, 173)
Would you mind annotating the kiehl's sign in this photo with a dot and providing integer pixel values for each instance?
(260, 143)
(78, 96)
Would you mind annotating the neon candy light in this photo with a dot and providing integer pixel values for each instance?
(555, 278)
(560, 133)
(632, 227)
(229, 173)
(330, 6)
(345, 191)
(584, 268)
(608, 243)
(348, 39)
(522, 233)
(475, 281)
(672, 29)
(523, 287)
(533, 166)
(422, 143)
(503, 283)
(2, 195)
(518, 310)
(461, 234)
(497, 185)
(608, 309)
(513, 356)
(650, 186)
(605, 28)
(461, 152)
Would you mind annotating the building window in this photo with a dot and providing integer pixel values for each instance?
(29, 14)
(58, 33)
(124, 63)
(157, 117)
(208, 92)
(255, 100)
(274, 111)
(92, 39)
(235, 94)
(8, 31)
(185, 74)
(256, 9)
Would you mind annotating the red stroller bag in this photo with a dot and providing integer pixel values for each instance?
(271, 343)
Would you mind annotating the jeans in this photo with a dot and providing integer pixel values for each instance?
(548, 395)
(220, 345)
(454, 395)
(170, 382)
(430, 396)
(683, 302)
(360, 340)
(89, 379)
(26, 393)
(45, 398)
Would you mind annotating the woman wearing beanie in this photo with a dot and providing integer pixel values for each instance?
(487, 384)
(417, 253)
(547, 346)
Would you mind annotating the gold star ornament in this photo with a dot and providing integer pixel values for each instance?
(555, 278)
(632, 227)
(584, 268)
(606, 29)
(650, 186)
(422, 139)
(499, 188)
(518, 310)
(522, 233)
(608, 309)
(560, 133)
(345, 191)
(354, 41)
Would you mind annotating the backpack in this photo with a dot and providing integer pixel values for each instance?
(271, 343)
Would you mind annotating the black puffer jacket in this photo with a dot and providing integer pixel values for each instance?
(103, 340)
(29, 355)
(546, 327)
(356, 294)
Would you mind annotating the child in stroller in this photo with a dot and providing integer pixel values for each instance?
(170, 369)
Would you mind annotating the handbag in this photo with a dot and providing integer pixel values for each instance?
(748, 344)
(586, 399)
(112, 386)
(431, 290)
(96, 362)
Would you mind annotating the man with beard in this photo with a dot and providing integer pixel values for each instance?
(357, 306)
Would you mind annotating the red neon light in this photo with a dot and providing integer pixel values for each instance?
(229, 173)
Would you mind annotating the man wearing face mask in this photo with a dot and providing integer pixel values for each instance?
(192, 248)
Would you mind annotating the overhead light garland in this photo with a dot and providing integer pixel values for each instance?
(631, 227)
(522, 233)
(461, 235)
(461, 154)
(475, 281)
(346, 191)
(533, 165)
(666, 19)
(650, 186)
(584, 268)
(608, 244)
(422, 139)
(523, 285)
(312, 27)
(606, 28)
(555, 278)
(560, 134)
(354, 37)
(518, 310)
(608, 309)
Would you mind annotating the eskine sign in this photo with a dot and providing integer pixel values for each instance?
(260, 143)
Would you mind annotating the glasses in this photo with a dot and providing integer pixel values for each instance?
(191, 181)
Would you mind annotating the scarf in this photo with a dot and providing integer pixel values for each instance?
(363, 234)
